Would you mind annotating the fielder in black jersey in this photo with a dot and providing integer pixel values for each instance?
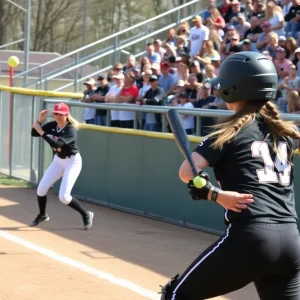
(251, 154)
(61, 135)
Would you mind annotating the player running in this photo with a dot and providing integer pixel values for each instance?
(61, 135)
(252, 157)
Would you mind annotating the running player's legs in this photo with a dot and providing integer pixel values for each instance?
(73, 167)
(231, 263)
(52, 174)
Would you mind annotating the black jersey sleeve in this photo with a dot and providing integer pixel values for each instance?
(68, 136)
(206, 150)
(46, 128)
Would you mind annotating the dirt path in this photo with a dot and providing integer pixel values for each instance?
(142, 251)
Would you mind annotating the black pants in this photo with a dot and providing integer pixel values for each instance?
(115, 123)
(266, 254)
(126, 124)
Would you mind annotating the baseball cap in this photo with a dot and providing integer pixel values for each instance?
(195, 64)
(61, 108)
(206, 86)
(280, 49)
(282, 38)
(100, 77)
(196, 18)
(153, 78)
(90, 81)
(297, 50)
(119, 76)
(158, 41)
(164, 65)
(181, 83)
(136, 68)
(230, 27)
(246, 42)
(266, 24)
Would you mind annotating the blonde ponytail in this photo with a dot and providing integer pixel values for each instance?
(74, 122)
(224, 132)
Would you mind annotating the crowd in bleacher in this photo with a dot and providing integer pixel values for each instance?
(174, 71)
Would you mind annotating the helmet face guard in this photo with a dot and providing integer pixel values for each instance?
(246, 76)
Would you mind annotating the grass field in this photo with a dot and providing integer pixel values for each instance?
(11, 181)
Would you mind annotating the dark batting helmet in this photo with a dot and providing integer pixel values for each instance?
(246, 76)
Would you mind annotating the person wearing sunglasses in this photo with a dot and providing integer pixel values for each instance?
(61, 135)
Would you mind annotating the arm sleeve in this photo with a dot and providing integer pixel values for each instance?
(68, 137)
(46, 128)
(206, 150)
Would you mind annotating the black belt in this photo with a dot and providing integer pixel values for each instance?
(67, 156)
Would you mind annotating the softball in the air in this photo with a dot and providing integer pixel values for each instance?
(199, 182)
(13, 61)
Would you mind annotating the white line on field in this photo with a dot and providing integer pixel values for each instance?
(83, 267)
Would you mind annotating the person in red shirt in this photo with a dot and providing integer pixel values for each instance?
(127, 96)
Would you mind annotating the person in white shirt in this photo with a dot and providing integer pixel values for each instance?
(88, 112)
(188, 121)
(113, 92)
(198, 36)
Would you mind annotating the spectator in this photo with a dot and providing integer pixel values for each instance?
(275, 17)
(185, 59)
(154, 96)
(246, 45)
(187, 121)
(234, 42)
(118, 67)
(111, 97)
(209, 72)
(145, 63)
(234, 49)
(169, 51)
(89, 113)
(216, 21)
(286, 5)
(183, 29)
(203, 102)
(167, 81)
(138, 79)
(272, 39)
(233, 11)
(282, 42)
(192, 88)
(208, 51)
(158, 47)
(196, 70)
(293, 19)
(211, 4)
(216, 39)
(181, 49)
(291, 46)
(99, 97)
(171, 37)
(218, 103)
(224, 7)
(216, 63)
(227, 38)
(242, 25)
(291, 89)
(297, 60)
(259, 11)
(173, 100)
(152, 56)
(128, 93)
(262, 40)
(266, 53)
(253, 32)
(130, 64)
(281, 63)
(155, 68)
(183, 72)
(198, 36)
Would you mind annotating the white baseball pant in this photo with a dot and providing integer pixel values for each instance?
(69, 169)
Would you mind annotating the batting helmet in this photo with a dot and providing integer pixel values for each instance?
(246, 76)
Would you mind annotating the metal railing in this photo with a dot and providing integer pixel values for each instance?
(112, 48)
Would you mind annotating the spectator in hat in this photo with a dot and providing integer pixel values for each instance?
(262, 40)
(187, 120)
(196, 70)
(275, 16)
(111, 97)
(253, 32)
(246, 45)
(192, 87)
(218, 103)
(230, 32)
(234, 42)
(296, 61)
(242, 25)
(281, 63)
(138, 79)
(158, 47)
(203, 102)
(89, 113)
(290, 46)
(155, 68)
(198, 36)
(233, 11)
(282, 41)
(128, 93)
(152, 55)
(272, 39)
(99, 97)
(167, 81)
(216, 63)
(154, 96)
(173, 100)
(258, 10)
(128, 68)
(292, 19)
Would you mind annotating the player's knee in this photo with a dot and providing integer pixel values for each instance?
(42, 191)
(64, 198)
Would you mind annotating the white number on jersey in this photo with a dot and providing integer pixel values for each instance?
(268, 174)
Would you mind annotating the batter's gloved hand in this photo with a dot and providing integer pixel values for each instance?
(200, 194)
(167, 288)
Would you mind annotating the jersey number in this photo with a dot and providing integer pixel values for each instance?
(268, 175)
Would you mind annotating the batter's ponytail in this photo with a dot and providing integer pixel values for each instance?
(74, 122)
(226, 130)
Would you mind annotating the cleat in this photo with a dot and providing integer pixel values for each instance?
(39, 219)
(88, 220)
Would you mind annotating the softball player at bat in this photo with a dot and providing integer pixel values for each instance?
(252, 157)
(61, 135)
